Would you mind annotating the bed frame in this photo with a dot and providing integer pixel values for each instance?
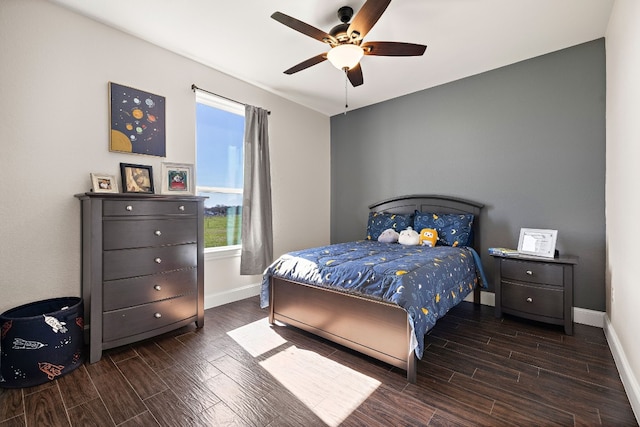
(378, 329)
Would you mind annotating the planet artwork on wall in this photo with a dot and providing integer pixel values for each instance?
(137, 121)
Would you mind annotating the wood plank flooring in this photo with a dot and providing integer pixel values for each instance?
(240, 371)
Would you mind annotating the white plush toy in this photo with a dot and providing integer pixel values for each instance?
(409, 237)
(388, 236)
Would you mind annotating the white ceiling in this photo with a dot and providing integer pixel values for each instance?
(463, 38)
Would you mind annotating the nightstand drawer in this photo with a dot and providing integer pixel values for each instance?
(533, 272)
(532, 299)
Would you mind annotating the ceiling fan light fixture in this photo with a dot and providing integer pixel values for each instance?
(345, 56)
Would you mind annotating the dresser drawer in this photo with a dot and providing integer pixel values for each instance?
(143, 318)
(123, 263)
(141, 290)
(535, 272)
(148, 207)
(132, 233)
(532, 299)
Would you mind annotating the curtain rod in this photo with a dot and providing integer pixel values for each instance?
(194, 87)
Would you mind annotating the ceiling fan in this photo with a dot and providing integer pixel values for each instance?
(346, 40)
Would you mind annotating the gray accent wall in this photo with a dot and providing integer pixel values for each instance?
(526, 140)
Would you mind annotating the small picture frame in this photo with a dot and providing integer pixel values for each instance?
(136, 178)
(102, 183)
(537, 242)
(177, 178)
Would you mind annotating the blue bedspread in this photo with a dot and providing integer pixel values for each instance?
(426, 282)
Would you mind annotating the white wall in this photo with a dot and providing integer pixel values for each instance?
(622, 191)
(54, 130)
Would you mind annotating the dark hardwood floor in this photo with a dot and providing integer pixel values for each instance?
(237, 370)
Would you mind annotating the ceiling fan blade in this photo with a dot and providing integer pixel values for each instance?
(355, 76)
(304, 28)
(393, 49)
(306, 64)
(366, 18)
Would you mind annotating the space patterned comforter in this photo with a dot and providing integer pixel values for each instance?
(426, 282)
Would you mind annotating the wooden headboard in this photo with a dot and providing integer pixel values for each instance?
(435, 204)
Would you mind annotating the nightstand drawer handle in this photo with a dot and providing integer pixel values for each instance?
(157, 260)
(157, 287)
(181, 208)
(158, 233)
(157, 315)
(529, 272)
(129, 208)
(529, 299)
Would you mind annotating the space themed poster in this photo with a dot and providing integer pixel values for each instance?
(137, 121)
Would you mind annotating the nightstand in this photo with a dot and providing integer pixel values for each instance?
(536, 288)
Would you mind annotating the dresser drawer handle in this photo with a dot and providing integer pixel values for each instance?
(181, 208)
(157, 315)
(529, 272)
(529, 299)
(157, 287)
(158, 260)
(129, 208)
(158, 233)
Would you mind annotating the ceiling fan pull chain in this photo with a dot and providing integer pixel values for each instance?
(346, 104)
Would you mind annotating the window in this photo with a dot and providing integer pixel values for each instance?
(219, 168)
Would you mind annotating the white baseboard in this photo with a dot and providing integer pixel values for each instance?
(221, 298)
(629, 380)
(486, 298)
(585, 316)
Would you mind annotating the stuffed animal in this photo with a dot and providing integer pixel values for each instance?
(428, 237)
(409, 237)
(388, 236)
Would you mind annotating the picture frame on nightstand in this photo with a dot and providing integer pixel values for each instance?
(537, 242)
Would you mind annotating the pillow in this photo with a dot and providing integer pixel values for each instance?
(453, 229)
(380, 221)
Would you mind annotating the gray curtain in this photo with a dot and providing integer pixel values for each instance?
(257, 232)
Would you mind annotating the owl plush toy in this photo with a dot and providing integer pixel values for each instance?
(428, 237)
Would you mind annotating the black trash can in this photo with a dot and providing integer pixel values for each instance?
(41, 341)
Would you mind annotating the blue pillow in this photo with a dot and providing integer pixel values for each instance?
(380, 221)
(453, 229)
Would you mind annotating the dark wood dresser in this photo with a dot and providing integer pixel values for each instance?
(142, 266)
(536, 288)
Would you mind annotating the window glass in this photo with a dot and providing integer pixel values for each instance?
(219, 167)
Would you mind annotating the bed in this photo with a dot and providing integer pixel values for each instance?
(363, 294)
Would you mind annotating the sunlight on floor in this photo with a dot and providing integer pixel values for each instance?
(257, 337)
(330, 390)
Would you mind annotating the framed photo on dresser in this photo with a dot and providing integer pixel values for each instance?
(102, 183)
(177, 178)
(136, 178)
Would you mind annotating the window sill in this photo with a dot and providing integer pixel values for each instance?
(223, 252)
